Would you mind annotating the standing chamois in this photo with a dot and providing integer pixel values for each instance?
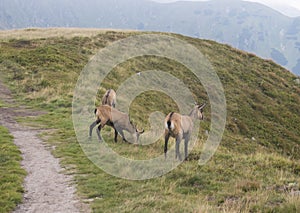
(180, 127)
(109, 98)
(119, 121)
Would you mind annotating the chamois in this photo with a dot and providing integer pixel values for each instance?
(180, 127)
(119, 121)
(109, 98)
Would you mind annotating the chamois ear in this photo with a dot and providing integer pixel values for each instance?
(202, 106)
(95, 111)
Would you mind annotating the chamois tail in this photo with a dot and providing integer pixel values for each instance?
(170, 125)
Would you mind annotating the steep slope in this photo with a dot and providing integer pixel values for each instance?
(245, 25)
(256, 166)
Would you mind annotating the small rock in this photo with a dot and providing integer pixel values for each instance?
(297, 81)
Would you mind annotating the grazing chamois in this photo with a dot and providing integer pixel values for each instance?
(119, 121)
(109, 98)
(180, 127)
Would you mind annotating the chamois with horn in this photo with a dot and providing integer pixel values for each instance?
(180, 127)
(119, 121)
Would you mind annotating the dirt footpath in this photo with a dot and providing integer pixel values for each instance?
(47, 189)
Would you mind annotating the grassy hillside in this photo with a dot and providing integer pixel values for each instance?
(245, 25)
(256, 167)
(11, 173)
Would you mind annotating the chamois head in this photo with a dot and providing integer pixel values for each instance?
(197, 111)
(137, 133)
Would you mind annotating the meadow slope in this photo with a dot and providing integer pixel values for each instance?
(256, 167)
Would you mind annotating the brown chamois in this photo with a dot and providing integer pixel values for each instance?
(180, 127)
(109, 98)
(119, 121)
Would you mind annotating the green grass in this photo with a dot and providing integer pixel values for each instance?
(255, 169)
(2, 104)
(11, 173)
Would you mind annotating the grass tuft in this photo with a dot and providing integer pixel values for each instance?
(11, 173)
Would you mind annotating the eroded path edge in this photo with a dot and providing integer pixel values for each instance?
(47, 189)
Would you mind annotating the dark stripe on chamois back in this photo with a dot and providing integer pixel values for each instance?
(107, 94)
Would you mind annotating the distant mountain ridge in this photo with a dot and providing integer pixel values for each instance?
(248, 26)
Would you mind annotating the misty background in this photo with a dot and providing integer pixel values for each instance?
(254, 27)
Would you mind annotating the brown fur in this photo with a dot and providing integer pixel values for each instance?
(176, 121)
(109, 98)
(119, 121)
(180, 127)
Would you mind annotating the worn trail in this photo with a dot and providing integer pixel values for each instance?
(47, 189)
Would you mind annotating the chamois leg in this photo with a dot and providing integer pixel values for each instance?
(123, 137)
(167, 136)
(98, 132)
(92, 127)
(178, 155)
(116, 135)
(186, 143)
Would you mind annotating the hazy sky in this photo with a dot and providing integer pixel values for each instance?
(282, 5)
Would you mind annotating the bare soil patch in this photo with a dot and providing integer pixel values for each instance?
(47, 188)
